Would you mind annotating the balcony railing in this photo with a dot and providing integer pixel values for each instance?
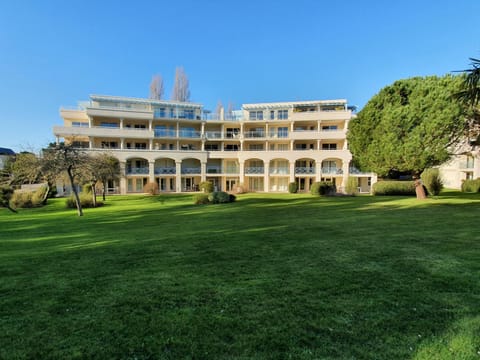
(304, 170)
(137, 171)
(214, 169)
(254, 170)
(164, 114)
(191, 170)
(279, 171)
(190, 134)
(165, 133)
(166, 170)
(332, 171)
(254, 134)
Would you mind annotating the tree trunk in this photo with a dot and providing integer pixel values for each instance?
(419, 190)
(94, 194)
(11, 209)
(75, 192)
(104, 189)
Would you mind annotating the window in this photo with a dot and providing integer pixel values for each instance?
(211, 147)
(109, 125)
(300, 146)
(255, 147)
(329, 128)
(283, 147)
(329, 146)
(272, 114)
(109, 145)
(256, 115)
(140, 146)
(79, 124)
(231, 147)
(283, 132)
(139, 126)
(282, 114)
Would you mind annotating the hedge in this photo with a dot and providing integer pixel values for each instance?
(323, 188)
(471, 185)
(394, 188)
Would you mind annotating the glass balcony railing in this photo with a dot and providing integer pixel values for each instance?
(166, 170)
(137, 170)
(254, 170)
(304, 170)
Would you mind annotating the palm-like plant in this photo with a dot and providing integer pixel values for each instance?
(471, 85)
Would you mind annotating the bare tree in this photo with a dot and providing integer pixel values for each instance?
(181, 91)
(219, 109)
(101, 168)
(230, 108)
(60, 158)
(156, 87)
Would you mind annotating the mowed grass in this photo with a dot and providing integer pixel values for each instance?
(268, 277)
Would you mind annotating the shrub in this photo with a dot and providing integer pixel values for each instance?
(292, 187)
(323, 188)
(87, 188)
(231, 198)
(206, 186)
(199, 199)
(151, 188)
(240, 189)
(394, 188)
(471, 185)
(432, 181)
(86, 200)
(219, 197)
(28, 199)
(352, 186)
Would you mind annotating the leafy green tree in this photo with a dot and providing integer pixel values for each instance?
(408, 126)
(470, 96)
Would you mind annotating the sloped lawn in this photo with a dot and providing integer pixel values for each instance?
(267, 277)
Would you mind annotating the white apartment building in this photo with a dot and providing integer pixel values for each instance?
(262, 147)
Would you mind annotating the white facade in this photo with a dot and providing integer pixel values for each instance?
(460, 168)
(262, 147)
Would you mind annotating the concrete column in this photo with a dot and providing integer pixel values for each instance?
(292, 171)
(123, 179)
(121, 123)
(151, 171)
(150, 145)
(203, 173)
(318, 170)
(122, 143)
(90, 142)
(345, 170)
(178, 176)
(241, 173)
(150, 124)
(266, 176)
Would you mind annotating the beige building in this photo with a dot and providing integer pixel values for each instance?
(460, 167)
(263, 146)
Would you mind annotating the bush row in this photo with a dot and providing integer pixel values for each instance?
(394, 188)
(471, 185)
(216, 197)
(323, 188)
(86, 200)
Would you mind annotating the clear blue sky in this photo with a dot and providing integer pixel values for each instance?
(55, 53)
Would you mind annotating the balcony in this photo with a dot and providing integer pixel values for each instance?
(100, 131)
(175, 115)
(321, 115)
(165, 133)
(279, 171)
(318, 135)
(137, 171)
(191, 170)
(254, 170)
(119, 112)
(305, 170)
(166, 170)
(190, 134)
(331, 171)
(254, 134)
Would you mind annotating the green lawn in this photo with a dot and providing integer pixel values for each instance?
(268, 277)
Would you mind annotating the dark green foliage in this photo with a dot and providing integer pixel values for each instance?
(408, 125)
(86, 201)
(432, 181)
(394, 188)
(199, 199)
(323, 188)
(352, 186)
(206, 186)
(471, 185)
(6, 193)
(292, 187)
(219, 197)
